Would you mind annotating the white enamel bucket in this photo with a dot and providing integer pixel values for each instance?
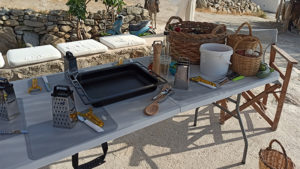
(215, 60)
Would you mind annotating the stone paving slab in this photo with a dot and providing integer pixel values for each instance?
(82, 47)
(25, 56)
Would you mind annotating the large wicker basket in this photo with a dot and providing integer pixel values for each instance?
(273, 159)
(245, 65)
(247, 44)
(186, 44)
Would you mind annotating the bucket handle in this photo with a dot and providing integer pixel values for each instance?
(226, 61)
(223, 58)
(283, 150)
(249, 26)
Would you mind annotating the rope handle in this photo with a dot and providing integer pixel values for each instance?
(282, 148)
(248, 38)
(216, 29)
(170, 20)
(249, 26)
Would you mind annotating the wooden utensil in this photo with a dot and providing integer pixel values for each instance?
(157, 46)
(153, 108)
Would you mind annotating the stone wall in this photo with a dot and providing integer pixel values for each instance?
(20, 28)
(229, 6)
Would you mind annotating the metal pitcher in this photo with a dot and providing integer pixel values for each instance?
(182, 75)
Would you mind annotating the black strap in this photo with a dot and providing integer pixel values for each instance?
(92, 164)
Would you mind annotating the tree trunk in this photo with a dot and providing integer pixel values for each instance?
(105, 17)
(113, 15)
(78, 30)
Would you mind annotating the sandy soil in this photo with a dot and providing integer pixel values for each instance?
(175, 143)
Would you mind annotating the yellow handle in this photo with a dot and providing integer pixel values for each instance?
(200, 79)
(93, 118)
(34, 85)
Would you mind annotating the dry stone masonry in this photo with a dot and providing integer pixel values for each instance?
(229, 6)
(23, 28)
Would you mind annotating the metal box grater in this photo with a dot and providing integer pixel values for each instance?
(182, 76)
(63, 107)
(8, 101)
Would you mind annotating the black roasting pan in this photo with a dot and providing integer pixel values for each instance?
(105, 86)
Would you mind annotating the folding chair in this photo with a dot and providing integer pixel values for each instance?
(259, 101)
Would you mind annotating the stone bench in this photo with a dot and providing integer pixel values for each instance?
(25, 56)
(122, 41)
(2, 62)
(14, 70)
(82, 47)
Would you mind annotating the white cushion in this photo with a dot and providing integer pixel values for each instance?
(82, 47)
(2, 63)
(25, 56)
(121, 41)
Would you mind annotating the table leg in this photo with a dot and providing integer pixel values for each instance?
(75, 161)
(238, 117)
(92, 164)
(242, 128)
(196, 116)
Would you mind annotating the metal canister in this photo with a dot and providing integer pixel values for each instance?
(182, 75)
(166, 44)
(8, 101)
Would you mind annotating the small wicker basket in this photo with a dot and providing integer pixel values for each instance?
(247, 44)
(245, 65)
(186, 44)
(273, 159)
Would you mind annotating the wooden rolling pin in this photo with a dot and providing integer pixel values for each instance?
(157, 47)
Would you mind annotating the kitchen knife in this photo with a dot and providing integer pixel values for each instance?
(90, 124)
(46, 83)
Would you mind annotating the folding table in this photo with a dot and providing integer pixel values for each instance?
(127, 116)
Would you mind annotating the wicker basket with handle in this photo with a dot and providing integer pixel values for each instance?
(186, 41)
(245, 65)
(273, 159)
(247, 44)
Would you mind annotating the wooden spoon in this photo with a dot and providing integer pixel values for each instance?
(153, 108)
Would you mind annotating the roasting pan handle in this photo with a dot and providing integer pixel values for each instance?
(81, 92)
(160, 79)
